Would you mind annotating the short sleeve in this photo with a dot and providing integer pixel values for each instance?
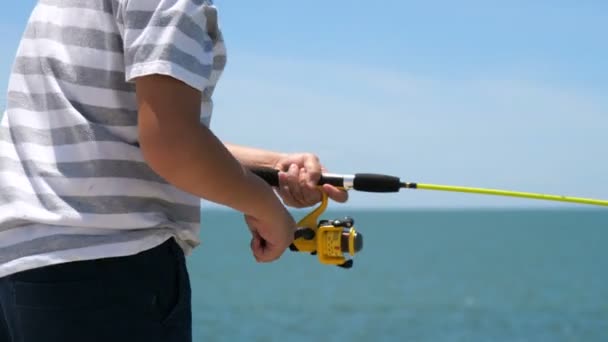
(167, 37)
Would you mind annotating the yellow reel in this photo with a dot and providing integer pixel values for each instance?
(330, 240)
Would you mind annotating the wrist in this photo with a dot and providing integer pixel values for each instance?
(263, 201)
(250, 156)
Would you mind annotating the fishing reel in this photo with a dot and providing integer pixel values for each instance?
(330, 240)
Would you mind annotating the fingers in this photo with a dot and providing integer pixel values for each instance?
(293, 184)
(310, 192)
(314, 169)
(263, 251)
(297, 188)
(338, 195)
(299, 178)
(256, 239)
(284, 191)
(256, 247)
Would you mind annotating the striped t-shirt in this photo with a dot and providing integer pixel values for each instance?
(73, 182)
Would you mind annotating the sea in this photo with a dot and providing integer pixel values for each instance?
(422, 275)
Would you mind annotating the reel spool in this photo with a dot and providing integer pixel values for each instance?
(330, 240)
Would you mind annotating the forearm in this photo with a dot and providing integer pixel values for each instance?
(188, 155)
(250, 156)
(194, 160)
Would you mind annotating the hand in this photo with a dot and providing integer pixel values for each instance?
(298, 178)
(271, 236)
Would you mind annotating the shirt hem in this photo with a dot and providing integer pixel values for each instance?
(89, 253)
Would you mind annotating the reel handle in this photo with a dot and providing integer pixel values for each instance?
(367, 182)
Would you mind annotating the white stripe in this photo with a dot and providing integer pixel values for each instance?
(4, 123)
(206, 110)
(46, 120)
(167, 68)
(134, 220)
(219, 49)
(75, 55)
(76, 17)
(94, 96)
(21, 182)
(195, 11)
(91, 150)
(214, 76)
(36, 231)
(102, 186)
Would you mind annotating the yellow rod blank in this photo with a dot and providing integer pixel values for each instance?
(511, 194)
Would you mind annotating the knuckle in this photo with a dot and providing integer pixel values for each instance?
(312, 156)
(315, 173)
(282, 165)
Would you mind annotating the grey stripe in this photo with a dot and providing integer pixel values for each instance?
(100, 5)
(90, 169)
(76, 36)
(12, 223)
(202, 2)
(139, 20)
(79, 75)
(207, 94)
(58, 136)
(219, 62)
(212, 23)
(104, 204)
(37, 102)
(220, 36)
(54, 243)
(169, 52)
(94, 114)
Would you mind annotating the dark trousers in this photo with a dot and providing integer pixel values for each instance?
(145, 297)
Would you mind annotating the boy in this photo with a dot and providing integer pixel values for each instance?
(105, 152)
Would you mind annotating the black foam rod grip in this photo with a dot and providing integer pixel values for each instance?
(271, 176)
(371, 182)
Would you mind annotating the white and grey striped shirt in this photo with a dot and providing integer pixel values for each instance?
(73, 183)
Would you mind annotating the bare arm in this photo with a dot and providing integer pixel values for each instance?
(188, 155)
(250, 156)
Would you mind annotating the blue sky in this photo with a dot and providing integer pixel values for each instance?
(478, 93)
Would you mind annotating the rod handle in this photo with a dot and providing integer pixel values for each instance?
(373, 182)
(271, 176)
(366, 182)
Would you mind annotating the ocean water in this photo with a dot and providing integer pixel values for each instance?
(445, 275)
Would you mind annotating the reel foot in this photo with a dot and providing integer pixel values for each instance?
(347, 264)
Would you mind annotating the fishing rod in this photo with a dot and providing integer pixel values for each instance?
(331, 239)
(371, 182)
